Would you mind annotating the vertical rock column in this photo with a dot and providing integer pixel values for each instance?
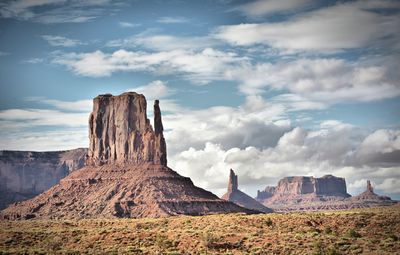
(160, 145)
(119, 131)
(233, 181)
(369, 186)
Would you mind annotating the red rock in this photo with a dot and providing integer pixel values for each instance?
(240, 198)
(25, 174)
(126, 173)
(302, 193)
(119, 131)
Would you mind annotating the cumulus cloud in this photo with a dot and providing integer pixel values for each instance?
(311, 82)
(256, 122)
(297, 152)
(154, 90)
(265, 7)
(328, 80)
(339, 27)
(61, 41)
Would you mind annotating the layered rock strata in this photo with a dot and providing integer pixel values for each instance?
(119, 131)
(25, 174)
(302, 193)
(126, 173)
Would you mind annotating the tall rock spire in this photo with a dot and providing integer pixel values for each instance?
(119, 131)
(161, 147)
(369, 186)
(233, 181)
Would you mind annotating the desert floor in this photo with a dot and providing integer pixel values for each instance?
(366, 231)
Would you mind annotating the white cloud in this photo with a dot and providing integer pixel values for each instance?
(390, 185)
(310, 83)
(33, 61)
(298, 152)
(263, 7)
(61, 41)
(19, 118)
(127, 24)
(198, 66)
(173, 20)
(57, 11)
(321, 80)
(45, 140)
(382, 141)
(164, 42)
(2, 53)
(342, 26)
(154, 90)
(78, 106)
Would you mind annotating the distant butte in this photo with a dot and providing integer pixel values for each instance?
(126, 173)
(240, 198)
(305, 193)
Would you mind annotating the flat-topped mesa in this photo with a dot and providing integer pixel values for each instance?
(327, 185)
(119, 131)
(233, 182)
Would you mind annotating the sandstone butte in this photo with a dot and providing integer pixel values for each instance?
(306, 193)
(240, 198)
(126, 172)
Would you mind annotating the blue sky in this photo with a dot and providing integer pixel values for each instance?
(269, 88)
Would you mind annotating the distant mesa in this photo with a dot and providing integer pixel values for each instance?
(26, 174)
(240, 198)
(126, 173)
(307, 187)
(306, 193)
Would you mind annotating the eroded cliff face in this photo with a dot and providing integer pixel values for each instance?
(119, 131)
(327, 185)
(126, 173)
(25, 174)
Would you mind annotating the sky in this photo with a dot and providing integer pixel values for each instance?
(269, 88)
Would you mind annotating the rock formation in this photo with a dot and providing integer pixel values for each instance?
(369, 195)
(121, 133)
(303, 193)
(25, 174)
(327, 185)
(238, 197)
(266, 193)
(126, 173)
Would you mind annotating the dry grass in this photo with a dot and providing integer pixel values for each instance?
(367, 231)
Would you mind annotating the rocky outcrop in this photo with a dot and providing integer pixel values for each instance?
(25, 174)
(370, 195)
(266, 193)
(119, 131)
(303, 193)
(240, 198)
(327, 185)
(126, 173)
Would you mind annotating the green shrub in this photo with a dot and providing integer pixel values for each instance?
(328, 231)
(208, 240)
(269, 222)
(353, 234)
